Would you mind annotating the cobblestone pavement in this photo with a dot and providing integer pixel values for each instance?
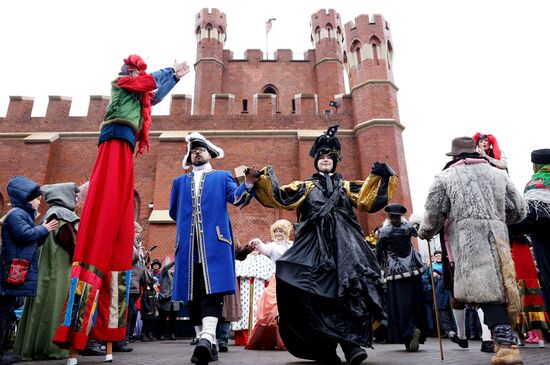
(179, 352)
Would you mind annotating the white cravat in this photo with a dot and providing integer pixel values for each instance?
(198, 171)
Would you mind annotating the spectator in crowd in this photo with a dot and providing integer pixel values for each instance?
(41, 313)
(21, 238)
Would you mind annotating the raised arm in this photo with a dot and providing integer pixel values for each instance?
(375, 192)
(270, 194)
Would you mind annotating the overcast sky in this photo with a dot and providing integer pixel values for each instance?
(461, 66)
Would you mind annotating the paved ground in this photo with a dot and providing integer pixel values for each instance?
(179, 352)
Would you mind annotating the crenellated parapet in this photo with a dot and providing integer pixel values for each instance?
(280, 55)
(20, 108)
(368, 50)
(57, 116)
(210, 24)
(326, 25)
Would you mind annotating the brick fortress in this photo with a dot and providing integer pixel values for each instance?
(261, 110)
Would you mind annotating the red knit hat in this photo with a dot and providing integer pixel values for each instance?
(135, 62)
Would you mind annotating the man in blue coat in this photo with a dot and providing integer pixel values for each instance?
(20, 241)
(204, 247)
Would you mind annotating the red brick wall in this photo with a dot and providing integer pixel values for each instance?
(244, 137)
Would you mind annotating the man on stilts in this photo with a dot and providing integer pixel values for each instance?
(98, 294)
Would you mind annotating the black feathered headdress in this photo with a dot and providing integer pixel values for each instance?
(327, 144)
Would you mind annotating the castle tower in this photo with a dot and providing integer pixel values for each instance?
(368, 62)
(327, 38)
(210, 29)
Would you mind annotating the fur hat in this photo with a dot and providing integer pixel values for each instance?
(195, 139)
(540, 157)
(462, 145)
(283, 224)
(327, 144)
(395, 209)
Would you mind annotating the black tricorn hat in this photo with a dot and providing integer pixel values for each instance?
(541, 157)
(395, 209)
(327, 143)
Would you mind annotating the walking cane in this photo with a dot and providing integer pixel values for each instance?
(435, 301)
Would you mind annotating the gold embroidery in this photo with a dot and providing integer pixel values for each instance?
(221, 237)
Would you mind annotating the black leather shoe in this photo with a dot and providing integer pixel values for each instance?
(222, 347)
(9, 358)
(414, 345)
(205, 352)
(92, 351)
(487, 346)
(122, 349)
(461, 343)
(357, 356)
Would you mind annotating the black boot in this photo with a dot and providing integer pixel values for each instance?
(355, 354)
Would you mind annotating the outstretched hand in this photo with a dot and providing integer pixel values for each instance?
(51, 225)
(252, 175)
(181, 69)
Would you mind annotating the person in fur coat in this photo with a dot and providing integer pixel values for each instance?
(476, 202)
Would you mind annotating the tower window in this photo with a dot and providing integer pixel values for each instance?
(245, 106)
(293, 106)
(375, 54)
(270, 90)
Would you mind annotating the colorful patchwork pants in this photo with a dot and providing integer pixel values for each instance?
(100, 277)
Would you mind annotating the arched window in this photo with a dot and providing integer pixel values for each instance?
(198, 34)
(221, 35)
(375, 54)
(339, 35)
(330, 31)
(317, 34)
(356, 51)
(269, 89)
(375, 43)
(208, 30)
(137, 206)
(390, 55)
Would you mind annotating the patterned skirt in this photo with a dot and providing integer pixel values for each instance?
(533, 313)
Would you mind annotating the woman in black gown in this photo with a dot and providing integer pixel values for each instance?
(328, 283)
(403, 268)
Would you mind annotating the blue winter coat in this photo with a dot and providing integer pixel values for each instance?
(209, 215)
(21, 237)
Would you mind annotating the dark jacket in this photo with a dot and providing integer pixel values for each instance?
(138, 267)
(149, 300)
(396, 253)
(165, 294)
(21, 237)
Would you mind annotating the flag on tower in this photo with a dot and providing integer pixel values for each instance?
(268, 25)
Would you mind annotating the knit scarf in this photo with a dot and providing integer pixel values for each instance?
(539, 186)
(143, 137)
